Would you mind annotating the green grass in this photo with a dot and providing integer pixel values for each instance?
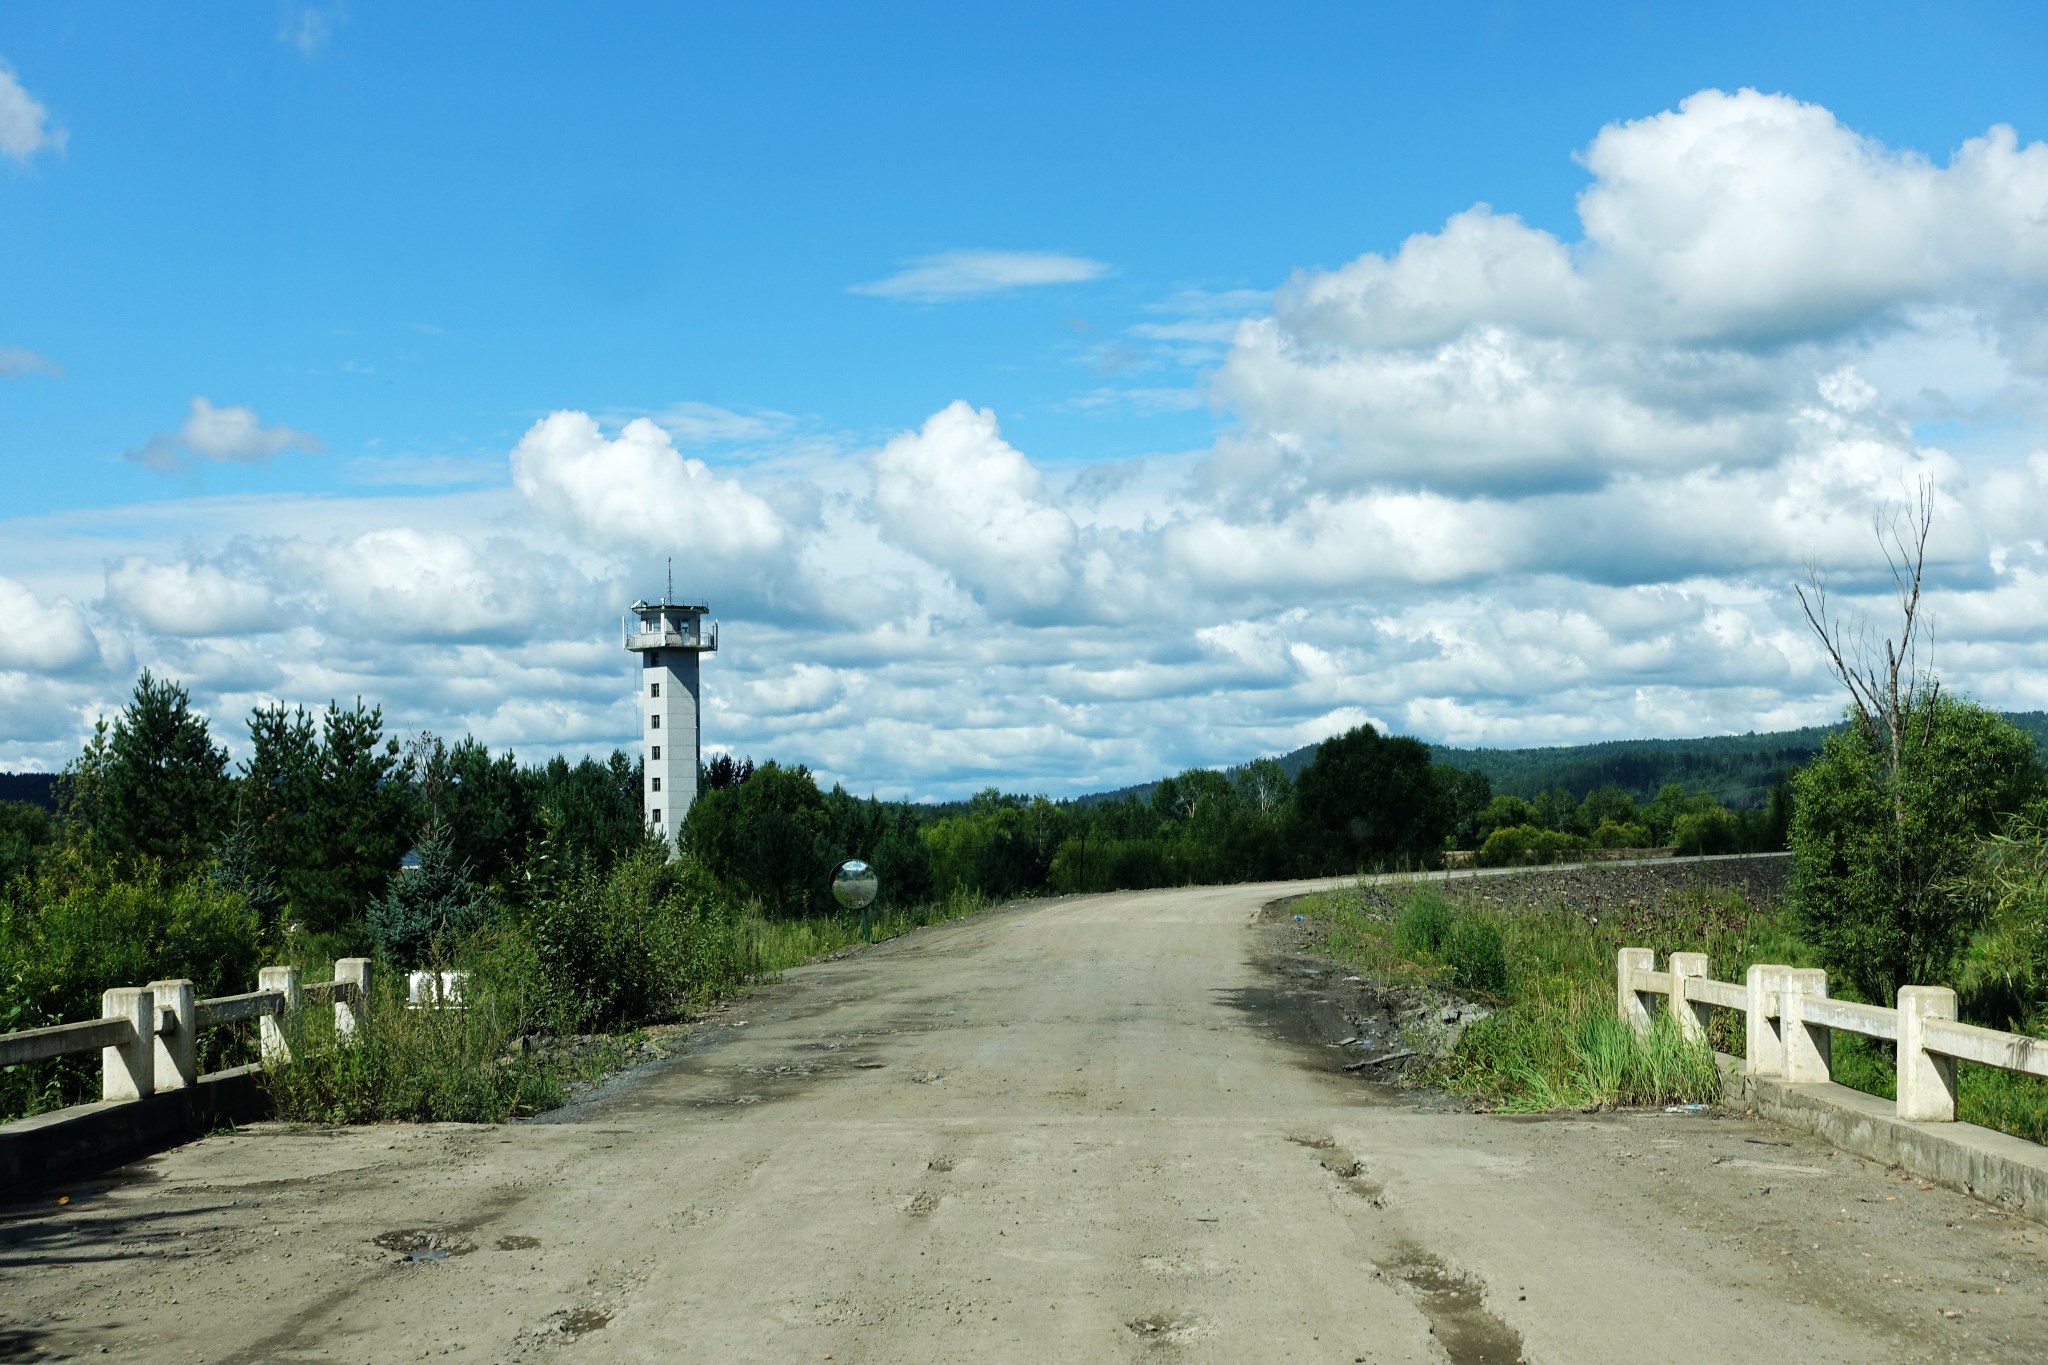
(774, 945)
(1556, 1041)
(423, 1066)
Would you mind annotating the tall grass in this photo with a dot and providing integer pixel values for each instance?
(771, 946)
(1556, 1040)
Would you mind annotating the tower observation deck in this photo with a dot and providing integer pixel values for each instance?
(669, 637)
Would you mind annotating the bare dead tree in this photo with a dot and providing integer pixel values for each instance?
(1895, 697)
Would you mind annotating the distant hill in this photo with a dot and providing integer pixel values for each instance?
(36, 788)
(1738, 770)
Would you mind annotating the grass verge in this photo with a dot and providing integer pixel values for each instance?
(1555, 1040)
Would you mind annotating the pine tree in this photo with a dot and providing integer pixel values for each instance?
(164, 789)
(428, 908)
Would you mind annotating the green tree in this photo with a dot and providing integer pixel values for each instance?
(594, 810)
(359, 824)
(483, 805)
(1465, 795)
(430, 907)
(1605, 805)
(24, 830)
(1557, 809)
(276, 798)
(164, 791)
(767, 837)
(1878, 845)
(1371, 799)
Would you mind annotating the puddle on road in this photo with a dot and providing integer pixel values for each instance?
(1457, 1316)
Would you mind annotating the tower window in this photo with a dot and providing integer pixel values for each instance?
(657, 815)
(654, 689)
(657, 753)
(654, 722)
(657, 784)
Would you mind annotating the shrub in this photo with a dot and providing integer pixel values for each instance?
(1878, 851)
(1476, 955)
(635, 944)
(1703, 832)
(1422, 928)
(78, 927)
(1629, 835)
(1518, 844)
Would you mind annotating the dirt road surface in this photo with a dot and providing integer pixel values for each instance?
(1098, 1129)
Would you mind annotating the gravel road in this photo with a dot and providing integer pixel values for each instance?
(1106, 1128)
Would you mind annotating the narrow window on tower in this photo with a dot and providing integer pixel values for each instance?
(654, 689)
(657, 784)
(657, 753)
(657, 815)
(654, 722)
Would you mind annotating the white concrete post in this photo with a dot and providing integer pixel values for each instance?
(349, 1015)
(177, 1052)
(1764, 1049)
(1627, 1000)
(1808, 1047)
(1927, 1080)
(1689, 1015)
(128, 1070)
(270, 1028)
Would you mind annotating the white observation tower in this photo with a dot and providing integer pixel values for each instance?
(668, 636)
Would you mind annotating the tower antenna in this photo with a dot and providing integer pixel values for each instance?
(671, 580)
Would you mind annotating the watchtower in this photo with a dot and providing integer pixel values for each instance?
(669, 636)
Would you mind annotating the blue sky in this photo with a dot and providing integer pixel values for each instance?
(288, 295)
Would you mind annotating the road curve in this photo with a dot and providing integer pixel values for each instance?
(1091, 1129)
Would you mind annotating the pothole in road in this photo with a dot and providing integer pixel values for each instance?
(518, 1243)
(424, 1244)
(1457, 1315)
(1346, 1167)
(1161, 1329)
(921, 1203)
(571, 1323)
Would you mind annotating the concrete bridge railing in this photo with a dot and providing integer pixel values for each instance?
(151, 1092)
(1790, 1022)
(148, 1036)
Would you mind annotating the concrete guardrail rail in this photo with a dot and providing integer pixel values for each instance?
(1786, 1072)
(150, 1087)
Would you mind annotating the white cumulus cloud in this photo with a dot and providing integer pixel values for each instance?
(187, 599)
(36, 638)
(958, 494)
(635, 493)
(232, 435)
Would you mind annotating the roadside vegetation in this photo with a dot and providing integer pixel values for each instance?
(1919, 841)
